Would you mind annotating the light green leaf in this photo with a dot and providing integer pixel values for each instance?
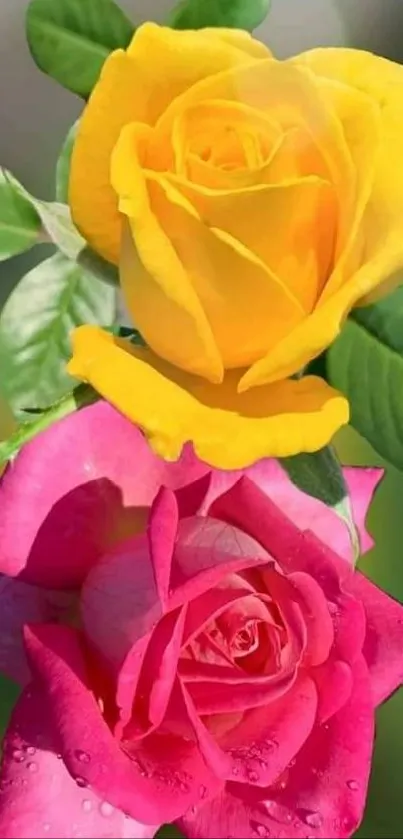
(236, 14)
(320, 475)
(63, 166)
(35, 327)
(20, 224)
(366, 364)
(59, 229)
(70, 39)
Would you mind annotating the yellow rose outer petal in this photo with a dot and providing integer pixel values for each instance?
(382, 81)
(138, 85)
(321, 328)
(228, 431)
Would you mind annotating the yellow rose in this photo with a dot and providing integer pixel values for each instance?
(251, 203)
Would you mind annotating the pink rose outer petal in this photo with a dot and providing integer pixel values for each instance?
(72, 491)
(306, 512)
(22, 603)
(38, 797)
(322, 795)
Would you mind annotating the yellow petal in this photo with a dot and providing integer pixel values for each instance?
(321, 328)
(290, 227)
(228, 430)
(157, 289)
(382, 81)
(138, 85)
(246, 305)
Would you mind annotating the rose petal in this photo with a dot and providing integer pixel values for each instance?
(38, 797)
(22, 603)
(334, 682)
(383, 645)
(157, 784)
(105, 470)
(322, 795)
(162, 530)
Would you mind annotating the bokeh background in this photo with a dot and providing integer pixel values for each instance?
(35, 115)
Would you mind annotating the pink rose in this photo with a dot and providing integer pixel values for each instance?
(219, 668)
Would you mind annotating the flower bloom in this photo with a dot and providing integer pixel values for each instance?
(251, 203)
(194, 650)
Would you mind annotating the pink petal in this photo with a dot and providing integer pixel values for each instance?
(306, 512)
(38, 797)
(268, 738)
(119, 600)
(207, 551)
(162, 530)
(322, 794)
(334, 682)
(21, 603)
(74, 491)
(246, 507)
(317, 618)
(383, 646)
(160, 782)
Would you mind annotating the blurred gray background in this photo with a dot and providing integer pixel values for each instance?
(35, 113)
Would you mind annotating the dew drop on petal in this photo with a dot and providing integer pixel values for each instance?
(184, 787)
(260, 829)
(81, 782)
(202, 791)
(86, 805)
(32, 766)
(18, 755)
(30, 750)
(313, 819)
(253, 776)
(82, 756)
(353, 785)
(106, 809)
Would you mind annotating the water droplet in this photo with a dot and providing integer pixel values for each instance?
(46, 827)
(253, 776)
(18, 755)
(86, 805)
(260, 829)
(202, 791)
(184, 787)
(32, 766)
(313, 819)
(235, 770)
(81, 782)
(59, 757)
(106, 809)
(353, 785)
(82, 756)
(30, 750)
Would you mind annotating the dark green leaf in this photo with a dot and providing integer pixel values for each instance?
(20, 224)
(35, 327)
(366, 364)
(70, 39)
(320, 475)
(236, 14)
(63, 166)
(9, 693)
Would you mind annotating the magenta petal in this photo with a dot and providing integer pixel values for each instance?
(246, 507)
(39, 798)
(383, 645)
(323, 793)
(268, 738)
(74, 490)
(162, 530)
(334, 681)
(119, 600)
(21, 603)
(157, 795)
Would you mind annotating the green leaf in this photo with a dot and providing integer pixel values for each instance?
(320, 475)
(35, 327)
(9, 693)
(236, 14)
(59, 229)
(366, 364)
(63, 166)
(20, 224)
(70, 39)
